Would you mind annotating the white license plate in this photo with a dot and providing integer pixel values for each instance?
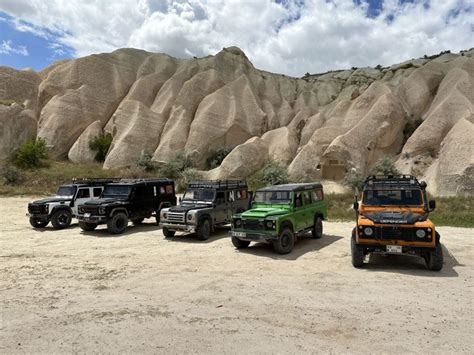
(239, 234)
(394, 249)
(87, 215)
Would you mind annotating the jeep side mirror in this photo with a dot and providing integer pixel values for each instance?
(432, 205)
(355, 206)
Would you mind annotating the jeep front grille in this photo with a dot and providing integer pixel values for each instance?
(88, 209)
(176, 217)
(396, 233)
(253, 224)
(37, 209)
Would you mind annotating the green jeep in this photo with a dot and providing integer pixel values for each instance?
(279, 213)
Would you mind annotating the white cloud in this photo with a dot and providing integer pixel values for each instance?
(8, 48)
(293, 38)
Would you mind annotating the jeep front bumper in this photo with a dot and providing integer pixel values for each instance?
(179, 227)
(406, 249)
(253, 236)
(39, 216)
(92, 218)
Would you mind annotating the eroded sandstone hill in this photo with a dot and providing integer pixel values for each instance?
(319, 126)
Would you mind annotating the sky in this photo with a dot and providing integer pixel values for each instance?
(283, 36)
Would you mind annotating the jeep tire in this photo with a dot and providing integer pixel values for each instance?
(357, 252)
(317, 231)
(38, 223)
(239, 243)
(118, 223)
(204, 229)
(285, 242)
(168, 233)
(87, 226)
(434, 260)
(138, 221)
(61, 219)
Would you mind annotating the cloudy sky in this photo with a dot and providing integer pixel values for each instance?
(284, 36)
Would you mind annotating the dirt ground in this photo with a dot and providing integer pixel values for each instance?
(71, 291)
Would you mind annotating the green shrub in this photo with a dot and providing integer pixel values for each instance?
(354, 179)
(11, 176)
(185, 177)
(145, 162)
(385, 166)
(32, 154)
(101, 144)
(179, 163)
(274, 173)
(217, 156)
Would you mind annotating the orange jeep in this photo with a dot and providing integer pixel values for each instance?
(393, 219)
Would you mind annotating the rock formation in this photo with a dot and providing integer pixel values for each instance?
(320, 125)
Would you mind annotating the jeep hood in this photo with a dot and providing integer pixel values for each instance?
(52, 199)
(189, 206)
(263, 212)
(395, 217)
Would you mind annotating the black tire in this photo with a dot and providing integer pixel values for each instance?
(118, 223)
(434, 260)
(86, 226)
(239, 243)
(38, 223)
(61, 219)
(285, 242)
(317, 231)
(168, 233)
(138, 221)
(204, 229)
(357, 253)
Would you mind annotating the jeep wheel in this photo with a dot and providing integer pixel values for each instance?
(168, 233)
(285, 242)
(204, 230)
(239, 243)
(61, 219)
(317, 231)
(356, 252)
(38, 223)
(434, 260)
(138, 221)
(86, 226)
(118, 223)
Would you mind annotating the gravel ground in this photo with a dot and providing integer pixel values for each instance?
(72, 291)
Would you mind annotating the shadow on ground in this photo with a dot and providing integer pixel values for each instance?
(304, 244)
(411, 265)
(219, 233)
(101, 230)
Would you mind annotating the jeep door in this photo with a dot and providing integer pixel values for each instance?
(302, 215)
(220, 211)
(83, 194)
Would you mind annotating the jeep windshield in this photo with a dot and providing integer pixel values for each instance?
(65, 191)
(116, 190)
(392, 198)
(272, 197)
(199, 195)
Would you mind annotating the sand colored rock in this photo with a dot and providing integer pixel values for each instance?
(282, 144)
(80, 152)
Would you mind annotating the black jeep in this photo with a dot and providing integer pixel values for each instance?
(126, 200)
(205, 204)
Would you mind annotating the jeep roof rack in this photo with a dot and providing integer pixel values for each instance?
(143, 180)
(392, 181)
(217, 184)
(94, 181)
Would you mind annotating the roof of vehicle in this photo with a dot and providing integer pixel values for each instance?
(150, 181)
(393, 182)
(293, 187)
(217, 184)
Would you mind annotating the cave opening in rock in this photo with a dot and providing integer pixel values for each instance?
(333, 169)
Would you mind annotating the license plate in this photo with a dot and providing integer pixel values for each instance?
(87, 215)
(239, 234)
(394, 249)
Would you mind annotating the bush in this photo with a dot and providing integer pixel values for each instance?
(101, 144)
(145, 162)
(354, 179)
(179, 163)
(32, 154)
(275, 173)
(217, 156)
(11, 176)
(186, 176)
(385, 166)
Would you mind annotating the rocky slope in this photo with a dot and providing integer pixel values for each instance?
(320, 126)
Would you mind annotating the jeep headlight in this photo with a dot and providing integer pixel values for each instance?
(80, 210)
(164, 215)
(368, 231)
(101, 210)
(237, 223)
(420, 233)
(270, 224)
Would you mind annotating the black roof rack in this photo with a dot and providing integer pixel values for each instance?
(144, 181)
(293, 187)
(217, 184)
(392, 181)
(94, 181)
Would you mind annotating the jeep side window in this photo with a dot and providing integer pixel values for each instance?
(83, 193)
(307, 197)
(298, 200)
(96, 191)
(317, 195)
(220, 197)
